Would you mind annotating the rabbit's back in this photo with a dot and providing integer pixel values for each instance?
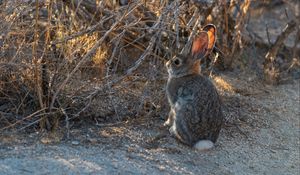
(196, 97)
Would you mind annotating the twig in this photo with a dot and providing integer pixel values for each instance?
(286, 14)
(239, 26)
(270, 71)
(25, 118)
(176, 14)
(296, 42)
(268, 34)
(289, 28)
(35, 59)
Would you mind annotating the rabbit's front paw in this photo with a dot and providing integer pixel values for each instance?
(170, 119)
(168, 122)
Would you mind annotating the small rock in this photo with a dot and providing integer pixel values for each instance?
(92, 140)
(75, 142)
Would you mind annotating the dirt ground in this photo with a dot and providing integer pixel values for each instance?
(263, 139)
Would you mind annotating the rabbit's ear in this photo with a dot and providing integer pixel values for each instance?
(200, 45)
(212, 35)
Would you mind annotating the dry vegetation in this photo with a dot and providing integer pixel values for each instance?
(66, 60)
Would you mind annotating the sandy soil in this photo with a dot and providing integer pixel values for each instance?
(260, 137)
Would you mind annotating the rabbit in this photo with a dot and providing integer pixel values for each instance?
(196, 116)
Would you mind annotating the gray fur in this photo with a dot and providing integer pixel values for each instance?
(195, 104)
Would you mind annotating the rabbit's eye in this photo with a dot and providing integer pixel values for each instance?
(176, 62)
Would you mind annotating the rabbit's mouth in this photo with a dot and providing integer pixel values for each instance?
(171, 72)
(175, 74)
